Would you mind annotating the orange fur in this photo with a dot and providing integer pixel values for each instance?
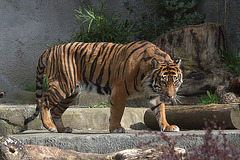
(120, 70)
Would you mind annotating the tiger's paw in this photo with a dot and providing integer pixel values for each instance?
(172, 128)
(118, 130)
(65, 130)
(52, 129)
(50, 126)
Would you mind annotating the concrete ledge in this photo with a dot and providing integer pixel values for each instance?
(12, 118)
(102, 142)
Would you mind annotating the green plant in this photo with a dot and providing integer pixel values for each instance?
(165, 15)
(232, 60)
(97, 26)
(210, 99)
(32, 87)
(104, 104)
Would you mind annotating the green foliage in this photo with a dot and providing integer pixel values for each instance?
(97, 26)
(32, 87)
(232, 60)
(104, 104)
(210, 99)
(166, 15)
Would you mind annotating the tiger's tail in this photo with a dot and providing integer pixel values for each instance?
(39, 85)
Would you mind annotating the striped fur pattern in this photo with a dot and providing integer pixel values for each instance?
(122, 71)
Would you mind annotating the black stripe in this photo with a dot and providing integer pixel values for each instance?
(171, 73)
(107, 90)
(38, 79)
(40, 72)
(144, 51)
(99, 90)
(142, 76)
(40, 68)
(38, 96)
(154, 107)
(51, 68)
(73, 66)
(69, 63)
(105, 54)
(166, 68)
(65, 79)
(38, 87)
(126, 87)
(99, 79)
(93, 50)
(135, 81)
(132, 44)
(83, 64)
(110, 63)
(94, 64)
(77, 49)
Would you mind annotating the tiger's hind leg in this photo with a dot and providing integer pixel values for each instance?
(57, 112)
(44, 110)
(52, 97)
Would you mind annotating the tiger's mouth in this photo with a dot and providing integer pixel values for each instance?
(166, 100)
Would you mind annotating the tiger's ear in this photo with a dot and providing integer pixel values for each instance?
(154, 63)
(178, 62)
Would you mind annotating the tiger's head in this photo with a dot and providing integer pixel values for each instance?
(165, 79)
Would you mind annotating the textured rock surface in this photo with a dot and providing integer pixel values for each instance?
(145, 153)
(199, 48)
(12, 148)
(225, 97)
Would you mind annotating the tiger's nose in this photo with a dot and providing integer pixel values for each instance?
(171, 96)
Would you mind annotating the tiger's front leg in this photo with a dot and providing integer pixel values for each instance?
(159, 112)
(118, 101)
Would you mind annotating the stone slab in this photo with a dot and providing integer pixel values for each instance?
(103, 142)
(12, 118)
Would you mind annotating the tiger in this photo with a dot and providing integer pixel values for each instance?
(122, 71)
